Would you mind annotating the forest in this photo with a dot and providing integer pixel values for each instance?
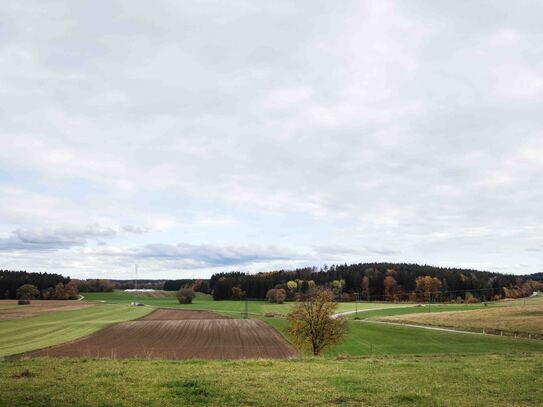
(46, 283)
(377, 282)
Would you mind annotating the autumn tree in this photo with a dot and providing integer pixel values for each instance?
(428, 287)
(390, 287)
(365, 286)
(292, 287)
(28, 292)
(237, 293)
(185, 295)
(276, 295)
(311, 324)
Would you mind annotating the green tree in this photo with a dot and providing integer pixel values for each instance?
(292, 286)
(337, 286)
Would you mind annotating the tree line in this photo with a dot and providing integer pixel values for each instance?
(378, 282)
(45, 284)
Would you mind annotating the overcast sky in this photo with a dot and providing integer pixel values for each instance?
(192, 137)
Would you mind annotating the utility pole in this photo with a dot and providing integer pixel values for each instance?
(134, 302)
(356, 303)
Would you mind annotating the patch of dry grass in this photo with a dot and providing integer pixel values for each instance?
(524, 318)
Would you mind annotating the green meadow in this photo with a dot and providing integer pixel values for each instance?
(429, 380)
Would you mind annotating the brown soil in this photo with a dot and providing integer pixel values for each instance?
(172, 334)
(10, 310)
(164, 314)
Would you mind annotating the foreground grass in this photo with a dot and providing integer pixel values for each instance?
(25, 334)
(498, 380)
(523, 317)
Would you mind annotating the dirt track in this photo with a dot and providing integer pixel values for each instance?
(178, 338)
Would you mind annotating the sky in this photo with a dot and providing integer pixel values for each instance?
(194, 137)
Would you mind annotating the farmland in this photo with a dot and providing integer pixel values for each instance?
(25, 334)
(10, 310)
(206, 302)
(180, 335)
(524, 317)
(377, 364)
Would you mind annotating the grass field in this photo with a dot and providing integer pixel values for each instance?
(400, 309)
(497, 380)
(524, 317)
(24, 334)
(206, 302)
(367, 338)
(377, 364)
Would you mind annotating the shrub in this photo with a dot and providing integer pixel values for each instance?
(185, 295)
(237, 293)
(28, 292)
(276, 295)
(23, 301)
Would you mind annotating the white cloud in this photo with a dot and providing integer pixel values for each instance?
(405, 131)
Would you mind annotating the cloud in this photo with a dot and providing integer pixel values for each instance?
(369, 125)
(201, 256)
(133, 229)
(41, 239)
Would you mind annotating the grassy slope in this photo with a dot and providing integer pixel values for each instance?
(24, 334)
(366, 338)
(498, 380)
(519, 316)
(403, 310)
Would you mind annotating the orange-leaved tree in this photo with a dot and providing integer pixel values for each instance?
(312, 325)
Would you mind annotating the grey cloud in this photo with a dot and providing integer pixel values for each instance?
(54, 239)
(134, 229)
(200, 256)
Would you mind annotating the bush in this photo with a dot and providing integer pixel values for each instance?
(276, 295)
(28, 292)
(237, 293)
(185, 295)
(23, 301)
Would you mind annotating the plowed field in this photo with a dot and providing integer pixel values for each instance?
(178, 335)
(165, 314)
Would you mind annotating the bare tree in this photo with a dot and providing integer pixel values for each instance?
(311, 324)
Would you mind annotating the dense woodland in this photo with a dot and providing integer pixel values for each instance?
(378, 282)
(49, 286)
